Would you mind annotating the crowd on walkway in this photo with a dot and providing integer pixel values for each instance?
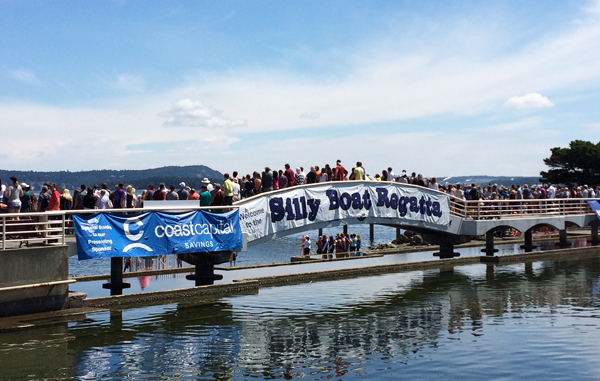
(342, 245)
(18, 197)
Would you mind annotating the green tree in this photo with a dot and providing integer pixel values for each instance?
(578, 164)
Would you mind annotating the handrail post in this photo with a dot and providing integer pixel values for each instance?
(478, 210)
(3, 232)
(64, 217)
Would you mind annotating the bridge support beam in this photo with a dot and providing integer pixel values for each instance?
(446, 242)
(562, 238)
(594, 239)
(116, 284)
(489, 244)
(204, 273)
(528, 246)
(446, 251)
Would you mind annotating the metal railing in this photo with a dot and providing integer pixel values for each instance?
(53, 228)
(505, 209)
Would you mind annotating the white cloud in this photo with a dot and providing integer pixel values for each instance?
(310, 115)
(129, 83)
(189, 113)
(26, 76)
(531, 100)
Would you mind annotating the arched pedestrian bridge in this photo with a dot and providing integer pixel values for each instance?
(445, 219)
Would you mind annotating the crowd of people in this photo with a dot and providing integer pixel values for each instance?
(18, 197)
(342, 245)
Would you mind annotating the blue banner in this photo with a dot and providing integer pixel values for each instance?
(595, 205)
(104, 235)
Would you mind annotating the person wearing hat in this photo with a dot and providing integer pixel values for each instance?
(209, 186)
(25, 198)
(205, 196)
(183, 193)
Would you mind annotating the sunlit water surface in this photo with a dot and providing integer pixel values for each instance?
(536, 321)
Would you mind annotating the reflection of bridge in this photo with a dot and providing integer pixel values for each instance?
(399, 313)
(465, 218)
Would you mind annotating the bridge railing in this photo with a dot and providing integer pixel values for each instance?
(496, 209)
(53, 228)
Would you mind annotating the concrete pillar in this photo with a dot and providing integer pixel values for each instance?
(562, 238)
(320, 232)
(528, 246)
(489, 244)
(371, 232)
(116, 284)
(345, 229)
(594, 239)
(446, 251)
(398, 233)
(204, 274)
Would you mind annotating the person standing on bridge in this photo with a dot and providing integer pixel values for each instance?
(359, 172)
(340, 172)
(267, 180)
(227, 190)
(289, 174)
(119, 197)
(183, 193)
(54, 203)
(299, 179)
(13, 195)
(306, 246)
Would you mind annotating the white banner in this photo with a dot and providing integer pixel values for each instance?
(301, 206)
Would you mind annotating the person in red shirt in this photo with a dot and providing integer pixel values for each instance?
(289, 174)
(340, 172)
(54, 203)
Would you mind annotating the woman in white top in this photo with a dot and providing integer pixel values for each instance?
(102, 201)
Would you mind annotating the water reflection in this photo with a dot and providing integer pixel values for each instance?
(497, 321)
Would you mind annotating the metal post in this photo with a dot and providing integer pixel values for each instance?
(345, 229)
(398, 233)
(320, 232)
(371, 232)
(116, 284)
(489, 244)
(562, 238)
(446, 251)
(528, 246)
(594, 239)
(3, 233)
(64, 232)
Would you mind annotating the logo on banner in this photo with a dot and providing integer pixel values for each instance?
(134, 237)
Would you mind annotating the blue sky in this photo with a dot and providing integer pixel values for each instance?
(436, 87)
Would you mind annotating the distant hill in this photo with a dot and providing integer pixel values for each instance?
(192, 175)
(485, 180)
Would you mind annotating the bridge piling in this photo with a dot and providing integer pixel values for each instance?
(371, 232)
(116, 284)
(489, 244)
(594, 238)
(204, 263)
(446, 251)
(562, 238)
(528, 246)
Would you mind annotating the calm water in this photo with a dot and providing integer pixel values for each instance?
(538, 321)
